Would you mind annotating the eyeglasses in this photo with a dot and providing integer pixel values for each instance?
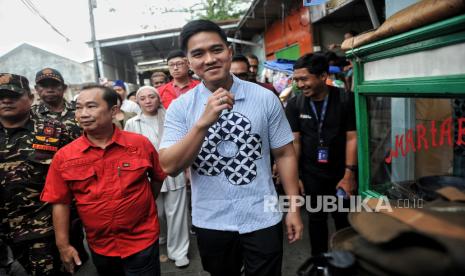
(176, 64)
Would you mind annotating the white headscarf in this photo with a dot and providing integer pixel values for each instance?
(161, 109)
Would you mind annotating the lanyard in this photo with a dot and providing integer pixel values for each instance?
(320, 118)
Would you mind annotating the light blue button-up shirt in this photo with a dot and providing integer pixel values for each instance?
(231, 176)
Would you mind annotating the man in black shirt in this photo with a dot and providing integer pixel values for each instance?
(322, 119)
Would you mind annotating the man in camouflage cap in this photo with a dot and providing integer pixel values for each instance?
(27, 145)
(51, 87)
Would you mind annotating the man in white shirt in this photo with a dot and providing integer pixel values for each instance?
(224, 130)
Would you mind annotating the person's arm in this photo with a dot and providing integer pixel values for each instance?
(297, 144)
(176, 158)
(349, 181)
(156, 174)
(181, 155)
(68, 254)
(297, 147)
(292, 114)
(286, 163)
(56, 191)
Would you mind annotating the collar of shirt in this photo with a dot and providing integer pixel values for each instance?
(141, 117)
(29, 125)
(43, 109)
(181, 87)
(85, 143)
(178, 90)
(235, 89)
(191, 84)
(138, 117)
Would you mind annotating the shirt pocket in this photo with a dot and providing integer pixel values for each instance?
(82, 182)
(132, 173)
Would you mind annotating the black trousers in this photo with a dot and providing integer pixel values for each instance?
(318, 221)
(142, 263)
(223, 252)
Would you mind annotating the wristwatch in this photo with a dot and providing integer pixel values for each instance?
(352, 168)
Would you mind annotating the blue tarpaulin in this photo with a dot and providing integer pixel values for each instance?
(308, 3)
(282, 65)
(285, 65)
(334, 69)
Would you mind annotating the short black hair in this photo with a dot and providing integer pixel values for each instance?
(241, 58)
(133, 93)
(175, 54)
(316, 64)
(252, 56)
(109, 95)
(197, 26)
(331, 56)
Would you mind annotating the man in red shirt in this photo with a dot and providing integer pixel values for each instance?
(181, 83)
(113, 175)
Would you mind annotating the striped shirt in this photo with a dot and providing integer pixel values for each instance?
(231, 175)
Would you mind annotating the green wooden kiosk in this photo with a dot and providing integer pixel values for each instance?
(410, 106)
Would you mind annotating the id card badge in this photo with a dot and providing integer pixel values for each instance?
(323, 155)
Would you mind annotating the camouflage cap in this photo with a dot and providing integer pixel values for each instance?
(14, 83)
(49, 73)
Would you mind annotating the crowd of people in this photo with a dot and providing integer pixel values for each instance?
(117, 165)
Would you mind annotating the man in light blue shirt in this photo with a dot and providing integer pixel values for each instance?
(224, 129)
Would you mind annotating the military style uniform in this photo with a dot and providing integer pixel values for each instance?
(25, 155)
(66, 117)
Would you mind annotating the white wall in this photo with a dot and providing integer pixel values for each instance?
(28, 60)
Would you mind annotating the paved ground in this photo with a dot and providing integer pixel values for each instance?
(294, 255)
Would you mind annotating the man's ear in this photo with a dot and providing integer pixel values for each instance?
(324, 76)
(231, 52)
(113, 110)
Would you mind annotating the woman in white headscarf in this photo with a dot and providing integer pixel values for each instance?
(171, 202)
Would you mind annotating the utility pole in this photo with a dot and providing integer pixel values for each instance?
(96, 48)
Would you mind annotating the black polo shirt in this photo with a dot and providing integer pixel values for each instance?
(340, 118)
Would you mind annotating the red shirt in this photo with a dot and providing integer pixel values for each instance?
(112, 191)
(170, 91)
